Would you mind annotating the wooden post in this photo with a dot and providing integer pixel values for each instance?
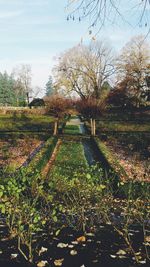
(91, 126)
(94, 127)
(55, 127)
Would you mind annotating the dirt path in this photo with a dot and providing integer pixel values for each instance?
(77, 122)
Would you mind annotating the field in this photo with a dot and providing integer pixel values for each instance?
(73, 200)
(25, 122)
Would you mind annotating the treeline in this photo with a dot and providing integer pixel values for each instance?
(15, 88)
(11, 92)
(89, 70)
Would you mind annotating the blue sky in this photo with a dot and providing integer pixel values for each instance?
(35, 32)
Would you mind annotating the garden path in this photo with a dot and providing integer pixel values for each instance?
(76, 121)
(87, 146)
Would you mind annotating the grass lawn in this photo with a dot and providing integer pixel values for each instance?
(123, 126)
(71, 129)
(70, 159)
(22, 122)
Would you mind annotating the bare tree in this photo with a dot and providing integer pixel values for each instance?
(84, 69)
(23, 75)
(91, 109)
(56, 106)
(133, 67)
(101, 11)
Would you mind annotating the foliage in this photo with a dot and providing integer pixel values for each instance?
(20, 200)
(119, 98)
(8, 92)
(58, 107)
(23, 78)
(132, 66)
(40, 160)
(50, 87)
(91, 108)
(73, 195)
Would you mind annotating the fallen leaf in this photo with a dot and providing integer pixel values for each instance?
(81, 239)
(58, 262)
(74, 242)
(73, 252)
(62, 245)
(90, 234)
(89, 240)
(147, 238)
(70, 246)
(122, 257)
(42, 264)
(42, 250)
(121, 252)
(142, 262)
(113, 256)
(13, 256)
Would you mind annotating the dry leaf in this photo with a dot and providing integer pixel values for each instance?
(42, 264)
(58, 262)
(62, 245)
(42, 250)
(81, 239)
(73, 252)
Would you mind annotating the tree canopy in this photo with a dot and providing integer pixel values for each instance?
(49, 87)
(11, 91)
(84, 70)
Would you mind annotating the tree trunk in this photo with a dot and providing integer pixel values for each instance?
(55, 127)
(94, 127)
(28, 100)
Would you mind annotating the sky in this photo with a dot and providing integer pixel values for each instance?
(36, 32)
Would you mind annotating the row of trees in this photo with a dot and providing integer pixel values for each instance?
(88, 71)
(59, 106)
(15, 89)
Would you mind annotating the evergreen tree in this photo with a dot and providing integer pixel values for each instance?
(49, 87)
(7, 94)
(11, 93)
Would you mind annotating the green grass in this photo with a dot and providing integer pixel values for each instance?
(42, 157)
(122, 126)
(70, 159)
(22, 122)
(71, 129)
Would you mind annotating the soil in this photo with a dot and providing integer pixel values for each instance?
(136, 167)
(104, 248)
(15, 152)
